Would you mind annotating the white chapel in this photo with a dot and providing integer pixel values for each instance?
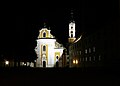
(48, 50)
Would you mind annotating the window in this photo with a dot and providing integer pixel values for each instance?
(44, 34)
(80, 52)
(76, 61)
(89, 58)
(86, 59)
(44, 48)
(73, 61)
(93, 49)
(89, 50)
(71, 27)
(67, 57)
(71, 33)
(99, 58)
(94, 58)
(86, 51)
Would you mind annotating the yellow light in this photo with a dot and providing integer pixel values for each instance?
(6, 62)
(76, 61)
(73, 61)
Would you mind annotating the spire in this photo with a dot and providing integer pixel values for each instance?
(44, 22)
(72, 19)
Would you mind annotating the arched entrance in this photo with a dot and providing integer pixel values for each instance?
(44, 63)
(44, 60)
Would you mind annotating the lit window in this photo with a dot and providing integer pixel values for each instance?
(73, 61)
(89, 58)
(25, 64)
(86, 58)
(99, 58)
(44, 34)
(76, 61)
(80, 52)
(93, 49)
(6, 62)
(89, 50)
(86, 51)
(44, 48)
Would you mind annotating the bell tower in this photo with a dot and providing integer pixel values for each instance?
(71, 38)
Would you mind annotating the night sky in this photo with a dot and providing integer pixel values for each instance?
(20, 27)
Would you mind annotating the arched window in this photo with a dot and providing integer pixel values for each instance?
(44, 34)
(57, 57)
(44, 48)
(71, 33)
(71, 27)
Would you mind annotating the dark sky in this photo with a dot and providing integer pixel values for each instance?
(20, 27)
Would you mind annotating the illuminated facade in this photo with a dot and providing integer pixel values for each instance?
(71, 32)
(47, 49)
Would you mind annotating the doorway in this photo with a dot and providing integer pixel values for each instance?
(44, 63)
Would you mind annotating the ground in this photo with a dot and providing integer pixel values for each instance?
(59, 76)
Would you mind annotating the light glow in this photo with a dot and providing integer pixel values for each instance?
(76, 61)
(73, 61)
(25, 64)
(6, 62)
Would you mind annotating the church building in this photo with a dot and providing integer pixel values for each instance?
(48, 50)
